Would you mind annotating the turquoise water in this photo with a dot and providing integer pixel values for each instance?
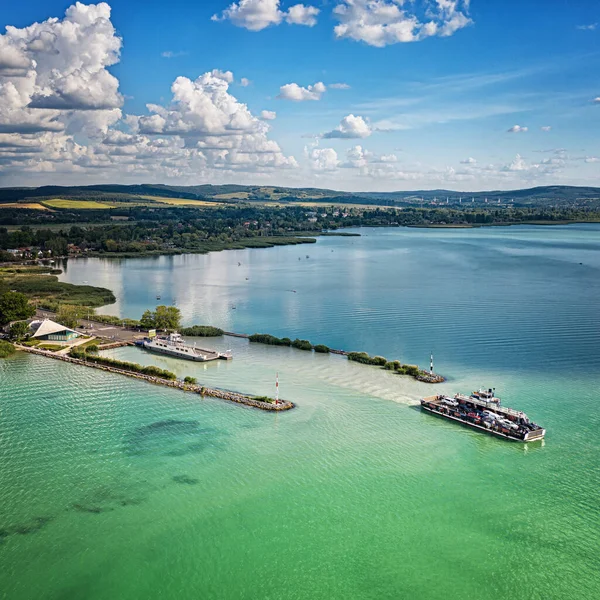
(112, 488)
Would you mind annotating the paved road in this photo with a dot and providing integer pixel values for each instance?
(93, 328)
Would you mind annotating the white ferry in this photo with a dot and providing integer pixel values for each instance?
(174, 345)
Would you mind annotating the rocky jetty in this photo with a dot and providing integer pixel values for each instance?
(230, 396)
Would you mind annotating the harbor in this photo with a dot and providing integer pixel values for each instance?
(230, 396)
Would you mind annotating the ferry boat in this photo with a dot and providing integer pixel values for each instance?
(174, 345)
(483, 410)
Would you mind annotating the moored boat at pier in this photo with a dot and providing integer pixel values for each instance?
(483, 411)
(174, 345)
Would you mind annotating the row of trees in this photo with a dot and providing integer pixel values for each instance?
(271, 340)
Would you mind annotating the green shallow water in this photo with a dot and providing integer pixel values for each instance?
(113, 488)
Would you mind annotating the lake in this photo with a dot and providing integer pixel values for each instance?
(112, 488)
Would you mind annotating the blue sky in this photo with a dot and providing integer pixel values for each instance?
(433, 93)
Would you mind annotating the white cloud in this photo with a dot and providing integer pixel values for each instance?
(79, 129)
(590, 27)
(219, 130)
(591, 159)
(268, 115)
(224, 75)
(546, 128)
(173, 53)
(383, 22)
(518, 129)
(468, 161)
(357, 157)
(296, 93)
(256, 15)
(376, 166)
(323, 159)
(597, 100)
(351, 126)
(55, 72)
(548, 166)
(302, 15)
(339, 86)
(245, 82)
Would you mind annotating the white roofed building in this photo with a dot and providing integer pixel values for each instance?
(49, 330)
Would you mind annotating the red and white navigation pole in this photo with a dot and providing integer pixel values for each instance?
(431, 365)
(277, 389)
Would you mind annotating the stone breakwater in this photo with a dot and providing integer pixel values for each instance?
(186, 387)
(423, 376)
(427, 378)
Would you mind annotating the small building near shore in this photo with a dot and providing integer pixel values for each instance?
(52, 331)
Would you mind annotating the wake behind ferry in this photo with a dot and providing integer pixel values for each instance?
(174, 345)
(483, 410)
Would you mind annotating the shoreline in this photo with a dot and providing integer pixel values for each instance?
(230, 396)
(303, 238)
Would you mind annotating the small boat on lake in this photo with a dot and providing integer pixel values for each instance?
(174, 345)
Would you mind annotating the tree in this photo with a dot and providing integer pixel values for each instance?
(167, 317)
(57, 245)
(19, 330)
(70, 315)
(147, 320)
(164, 317)
(15, 306)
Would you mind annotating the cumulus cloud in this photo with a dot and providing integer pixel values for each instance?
(591, 159)
(468, 161)
(339, 86)
(546, 128)
(323, 159)
(518, 129)
(256, 15)
(53, 72)
(220, 130)
(302, 15)
(350, 126)
(597, 100)
(383, 22)
(245, 82)
(268, 115)
(548, 166)
(60, 113)
(224, 75)
(589, 27)
(296, 93)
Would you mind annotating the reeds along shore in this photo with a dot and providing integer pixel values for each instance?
(199, 389)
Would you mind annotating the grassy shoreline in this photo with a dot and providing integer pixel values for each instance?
(265, 242)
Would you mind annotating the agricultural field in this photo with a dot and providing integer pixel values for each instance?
(232, 196)
(78, 204)
(180, 201)
(29, 205)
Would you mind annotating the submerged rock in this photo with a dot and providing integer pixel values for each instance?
(170, 438)
(185, 479)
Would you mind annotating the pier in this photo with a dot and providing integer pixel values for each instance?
(229, 396)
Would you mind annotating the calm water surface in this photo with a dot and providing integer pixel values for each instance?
(110, 488)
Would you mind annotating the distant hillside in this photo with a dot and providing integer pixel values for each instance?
(550, 196)
(561, 194)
